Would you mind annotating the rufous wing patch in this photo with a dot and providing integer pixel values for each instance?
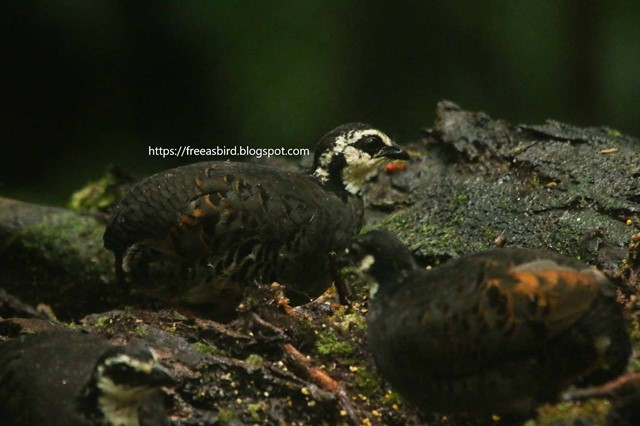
(556, 297)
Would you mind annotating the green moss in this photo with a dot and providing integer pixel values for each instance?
(328, 343)
(255, 410)
(140, 330)
(392, 398)
(207, 348)
(367, 383)
(170, 329)
(436, 238)
(358, 286)
(592, 411)
(97, 196)
(614, 133)
(73, 325)
(355, 319)
(226, 414)
(67, 240)
(369, 228)
(489, 233)
(461, 198)
(254, 360)
(534, 179)
(101, 322)
(346, 319)
(428, 235)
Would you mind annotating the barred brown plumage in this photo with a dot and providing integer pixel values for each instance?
(495, 332)
(198, 235)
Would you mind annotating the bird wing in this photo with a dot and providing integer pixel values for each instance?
(236, 221)
(180, 210)
(483, 312)
(527, 305)
(233, 207)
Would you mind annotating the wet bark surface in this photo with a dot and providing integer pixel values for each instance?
(473, 183)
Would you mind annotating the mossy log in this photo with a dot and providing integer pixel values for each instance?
(473, 183)
(480, 182)
(55, 256)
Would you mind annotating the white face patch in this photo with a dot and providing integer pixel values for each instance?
(145, 366)
(373, 289)
(360, 165)
(121, 394)
(118, 404)
(321, 173)
(366, 263)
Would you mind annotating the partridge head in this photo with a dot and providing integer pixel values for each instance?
(198, 235)
(495, 332)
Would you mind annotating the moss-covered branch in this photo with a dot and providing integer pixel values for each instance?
(473, 183)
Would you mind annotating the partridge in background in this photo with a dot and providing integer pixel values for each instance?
(495, 332)
(72, 379)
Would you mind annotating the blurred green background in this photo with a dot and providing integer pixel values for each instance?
(87, 84)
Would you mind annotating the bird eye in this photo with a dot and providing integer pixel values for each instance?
(119, 369)
(372, 142)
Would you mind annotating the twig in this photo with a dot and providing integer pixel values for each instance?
(321, 378)
(266, 324)
(271, 371)
(205, 325)
(605, 391)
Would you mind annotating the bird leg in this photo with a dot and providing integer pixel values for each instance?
(120, 275)
(338, 280)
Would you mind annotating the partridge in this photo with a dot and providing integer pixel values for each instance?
(71, 379)
(197, 236)
(495, 332)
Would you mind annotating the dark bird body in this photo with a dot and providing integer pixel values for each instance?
(500, 331)
(197, 235)
(54, 379)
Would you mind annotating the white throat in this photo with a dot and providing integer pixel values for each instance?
(359, 168)
(120, 405)
(363, 267)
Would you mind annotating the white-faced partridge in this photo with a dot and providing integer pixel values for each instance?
(72, 379)
(496, 332)
(195, 236)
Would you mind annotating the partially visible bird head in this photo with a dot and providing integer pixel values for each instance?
(124, 376)
(349, 153)
(382, 258)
